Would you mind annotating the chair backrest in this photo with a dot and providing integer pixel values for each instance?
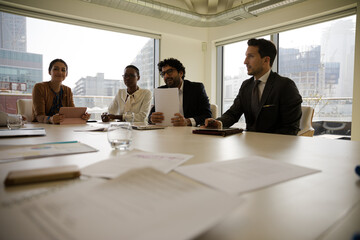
(306, 128)
(214, 110)
(24, 107)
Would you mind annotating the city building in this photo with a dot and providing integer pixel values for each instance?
(19, 70)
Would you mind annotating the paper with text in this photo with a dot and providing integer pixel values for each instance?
(141, 204)
(167, 102)
(244, 174)
(113, 167)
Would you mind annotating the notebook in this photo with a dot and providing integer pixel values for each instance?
(221, 132)
(73, 115)
(23, 132)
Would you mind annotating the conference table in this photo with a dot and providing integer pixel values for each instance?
(324, 205)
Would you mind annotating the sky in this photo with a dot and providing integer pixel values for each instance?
(86, 51)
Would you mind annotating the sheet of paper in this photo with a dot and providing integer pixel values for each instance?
(93, 128)
(141, 204)
(244, 174)
(20, 152)
(113, 167)
(167, 102)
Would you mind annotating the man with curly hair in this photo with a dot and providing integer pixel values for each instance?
(194, 102)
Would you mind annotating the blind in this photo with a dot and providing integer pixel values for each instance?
(287, 26)
(27, 12)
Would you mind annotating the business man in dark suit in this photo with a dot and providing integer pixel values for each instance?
(194, 103)
(271, 103)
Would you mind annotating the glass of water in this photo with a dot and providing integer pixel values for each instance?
(14, 121)
(120, 135)
(129, 117)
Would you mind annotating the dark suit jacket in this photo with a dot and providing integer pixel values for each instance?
(280, 110)
(195, 102)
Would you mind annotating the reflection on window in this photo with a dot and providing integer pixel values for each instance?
(96, 60)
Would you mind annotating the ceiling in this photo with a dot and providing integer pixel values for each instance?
(197, 13)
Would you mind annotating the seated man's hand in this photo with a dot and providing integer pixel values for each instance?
(57, 118)
(180, 120)
(86, 116)
(212, 123)
(105, 117)
(157, 117)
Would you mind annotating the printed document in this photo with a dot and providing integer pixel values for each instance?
(113, 167)
(167, 102)
(140, 204)
(244, 174)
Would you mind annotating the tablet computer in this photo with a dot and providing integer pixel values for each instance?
(73, 115)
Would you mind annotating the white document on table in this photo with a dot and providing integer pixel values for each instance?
(113, 167)
(167, 102)
(244, 174)
(141, 204)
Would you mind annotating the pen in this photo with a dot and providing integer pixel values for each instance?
(61, 142)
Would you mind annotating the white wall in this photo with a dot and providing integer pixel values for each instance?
(188, 51)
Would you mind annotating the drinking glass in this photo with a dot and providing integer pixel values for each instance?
(14, 121)
(120, 135)
(129, 117)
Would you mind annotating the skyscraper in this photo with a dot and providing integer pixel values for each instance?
(19, 70)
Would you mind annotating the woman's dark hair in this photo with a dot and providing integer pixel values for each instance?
(172, 62)
(135, 68)
(266, 48)
(55, 61)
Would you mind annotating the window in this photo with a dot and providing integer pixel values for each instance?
(318, 58)
(96, 60)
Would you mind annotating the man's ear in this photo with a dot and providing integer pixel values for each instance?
(181, 73)
(267, 59)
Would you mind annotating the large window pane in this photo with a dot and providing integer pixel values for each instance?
(96, 59)
(320, 59)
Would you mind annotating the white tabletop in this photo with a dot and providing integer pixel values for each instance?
(325, 205)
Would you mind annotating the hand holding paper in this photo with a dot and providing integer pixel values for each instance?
(167, 103)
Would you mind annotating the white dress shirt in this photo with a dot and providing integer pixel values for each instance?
(139, 103)
(263, 79)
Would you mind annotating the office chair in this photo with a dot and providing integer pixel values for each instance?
(24, 107)
(306, 128)
(214, 110)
